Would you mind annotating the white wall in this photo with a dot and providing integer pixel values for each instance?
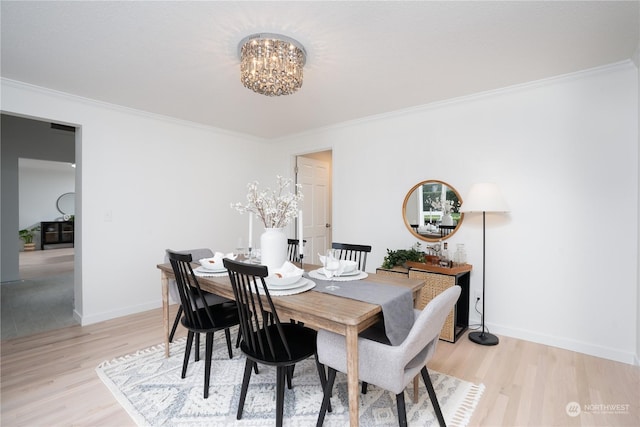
(562, 267)
(147, 183)
(40, 187)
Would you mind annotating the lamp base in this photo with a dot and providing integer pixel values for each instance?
(483, 338)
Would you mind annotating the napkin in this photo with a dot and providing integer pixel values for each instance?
(216, 263)
(322, 257)
(288, 270)
(338, 272)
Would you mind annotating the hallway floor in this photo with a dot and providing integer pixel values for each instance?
(43, 299)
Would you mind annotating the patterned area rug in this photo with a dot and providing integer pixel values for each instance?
(149, 387)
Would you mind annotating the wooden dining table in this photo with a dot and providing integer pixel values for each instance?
(319, 310)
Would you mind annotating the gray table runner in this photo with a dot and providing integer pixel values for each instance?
(396, 303)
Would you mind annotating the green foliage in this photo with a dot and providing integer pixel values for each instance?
(27, 234)
(400, 256)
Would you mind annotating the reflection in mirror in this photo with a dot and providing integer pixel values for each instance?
(66, 204)
(431, 210)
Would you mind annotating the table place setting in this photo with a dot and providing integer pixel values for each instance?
(287, 280)
(336, 269)
(213, 267)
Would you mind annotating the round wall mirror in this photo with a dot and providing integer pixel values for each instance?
(66, 204)
(431, 210)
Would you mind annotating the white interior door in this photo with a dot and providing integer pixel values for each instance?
(314, 175)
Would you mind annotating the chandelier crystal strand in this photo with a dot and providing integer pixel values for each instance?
(271, 64)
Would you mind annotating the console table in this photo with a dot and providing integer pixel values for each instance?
(437, 279)
(56, 232)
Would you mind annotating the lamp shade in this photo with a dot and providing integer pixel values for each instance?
(484, 197)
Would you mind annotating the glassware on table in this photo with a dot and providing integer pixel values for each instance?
(331, 266)
(240, 248)
(248, 254)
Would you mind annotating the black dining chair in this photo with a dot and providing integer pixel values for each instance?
(265, 339)
(445, 230)
(351, 252)
(293, 252)
(198, 317)
(211, 299)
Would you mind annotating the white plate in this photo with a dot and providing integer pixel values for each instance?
(203, 270)
(297, 284)
(287, 280)
(319, 274)
(306, 285)
(351, 273)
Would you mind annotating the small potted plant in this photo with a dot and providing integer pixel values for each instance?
(400, 256)
(27, 236)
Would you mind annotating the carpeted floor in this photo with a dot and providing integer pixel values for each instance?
(43, 299)
(149, 387)
(36, 305)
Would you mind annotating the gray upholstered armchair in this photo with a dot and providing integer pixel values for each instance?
(391, 367)
(211, 299)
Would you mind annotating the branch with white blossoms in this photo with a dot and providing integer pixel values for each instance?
(275, 208)
(446, 207)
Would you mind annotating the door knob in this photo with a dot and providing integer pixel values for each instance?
(327, 225)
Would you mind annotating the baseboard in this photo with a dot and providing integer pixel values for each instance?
(567, 344)
(77, 316)
(124, 311)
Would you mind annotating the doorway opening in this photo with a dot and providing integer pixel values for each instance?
(38, 289)
(314, 172)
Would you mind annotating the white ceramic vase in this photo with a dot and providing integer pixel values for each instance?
(273, 248)
(447, 219)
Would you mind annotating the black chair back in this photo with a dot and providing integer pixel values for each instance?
(263, 338)
(198, 315)
(357, 253)
(293, 252)
(446, 229)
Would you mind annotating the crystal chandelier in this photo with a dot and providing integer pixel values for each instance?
(271, 64)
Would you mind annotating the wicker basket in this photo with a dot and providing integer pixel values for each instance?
(394, 272)
(434, 285)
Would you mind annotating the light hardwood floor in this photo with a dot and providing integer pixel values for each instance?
(50, 379)
(50, 262)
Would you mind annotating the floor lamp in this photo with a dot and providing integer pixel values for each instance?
(484, 197)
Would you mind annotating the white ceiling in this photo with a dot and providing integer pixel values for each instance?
(179, 59)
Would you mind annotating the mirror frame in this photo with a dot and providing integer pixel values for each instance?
(63, 199)
(412, 230)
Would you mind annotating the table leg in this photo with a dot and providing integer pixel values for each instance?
(165, 310)
(352, 375)
(417, 304)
